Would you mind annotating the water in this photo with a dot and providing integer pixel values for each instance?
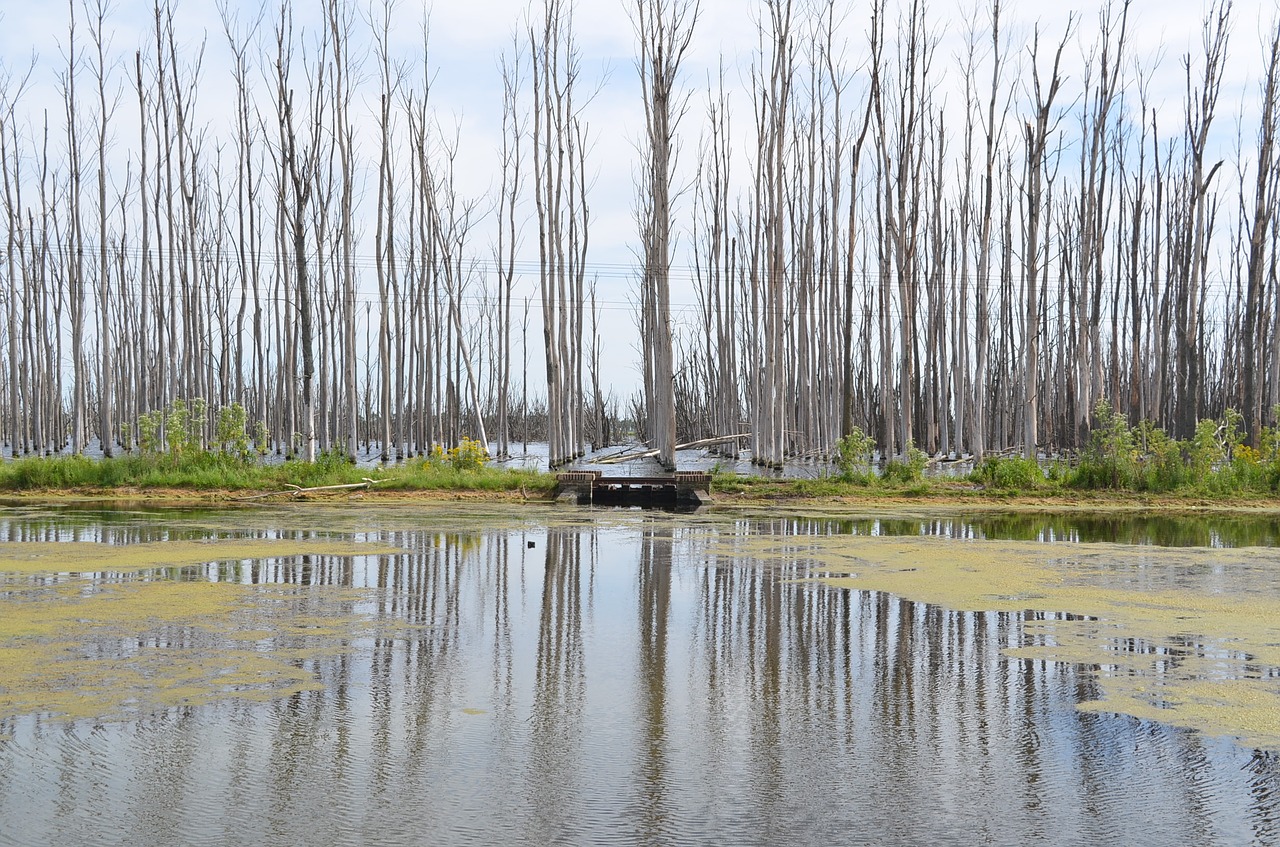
(528, 676)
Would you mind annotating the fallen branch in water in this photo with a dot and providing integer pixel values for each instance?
(648, 454)
(295, 490)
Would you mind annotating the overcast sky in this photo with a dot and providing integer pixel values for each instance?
(467, 36)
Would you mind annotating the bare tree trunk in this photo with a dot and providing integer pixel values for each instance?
(1035, 138)
(664, 29)
(20, 401)
(299, 174)
(339, 20)
(512, 162)
(560, 203)
(1191, 246)
(106, 428)
(993, 127)
(75, 260)
(1266, 195)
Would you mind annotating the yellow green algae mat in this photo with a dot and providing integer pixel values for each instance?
(1185, 636)
(89, 557)
(151, 637)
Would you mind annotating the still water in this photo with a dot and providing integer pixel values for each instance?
(359, 675)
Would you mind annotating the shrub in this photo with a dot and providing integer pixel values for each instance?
(1110, 460)
(1270, 441)
(1248, 471)
(149, 431)
(1205, 450)
(854, 456)
(261, 438)
(1164, 467)
(908, 471)
(1269, 454)
(230, 432)
(184, 425)
(470, 455)
(1013, 474)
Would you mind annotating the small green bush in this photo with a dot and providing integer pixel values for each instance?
(1110, 459)
(149, 425)
(231, 431)
(908, 471)
(1010, 474)
(184, 427)
(854, 454)
(1163, 466)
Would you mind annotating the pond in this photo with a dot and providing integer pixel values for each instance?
(353, 674)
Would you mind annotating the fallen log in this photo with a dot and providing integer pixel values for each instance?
(295, 490)
(707, 442)
(625, 457)
(649, 454)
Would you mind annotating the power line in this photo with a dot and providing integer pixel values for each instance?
(526, 269)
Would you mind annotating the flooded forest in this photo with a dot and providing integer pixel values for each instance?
(953, 231)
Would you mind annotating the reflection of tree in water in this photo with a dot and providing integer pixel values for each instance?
(1180, 530)
(653, 816)
(798, 674)
(415, 681)
(1264, 790)
(560, 683)
(559, 687)
(498, 575)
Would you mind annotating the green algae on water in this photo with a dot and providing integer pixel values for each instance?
(53, 557)
(1185, 636)
(130, 646)
(124, 650)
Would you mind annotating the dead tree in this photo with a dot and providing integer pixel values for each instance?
(1265, 196)
(299, 164)
(510, 187)
(1036, 132)
(1191, 226)
(664, 29)
(557, 155)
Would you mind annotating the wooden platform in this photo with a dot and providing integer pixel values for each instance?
(683, 488)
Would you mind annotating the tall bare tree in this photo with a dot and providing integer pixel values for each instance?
(1036, 133)
(664, 30)
(558, 158)
(1266, 194)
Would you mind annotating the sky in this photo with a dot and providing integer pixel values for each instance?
(466, 39)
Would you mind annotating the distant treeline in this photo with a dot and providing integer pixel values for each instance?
(958, 253)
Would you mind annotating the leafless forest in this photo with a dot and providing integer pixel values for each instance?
(964, 251)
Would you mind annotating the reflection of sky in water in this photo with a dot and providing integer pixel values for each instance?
(629, 682)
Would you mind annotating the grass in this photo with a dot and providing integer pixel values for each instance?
(992, 484)
(995, 480)
(855, 485)
(210, 471)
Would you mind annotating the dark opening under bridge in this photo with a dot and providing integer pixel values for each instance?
(682, 488)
